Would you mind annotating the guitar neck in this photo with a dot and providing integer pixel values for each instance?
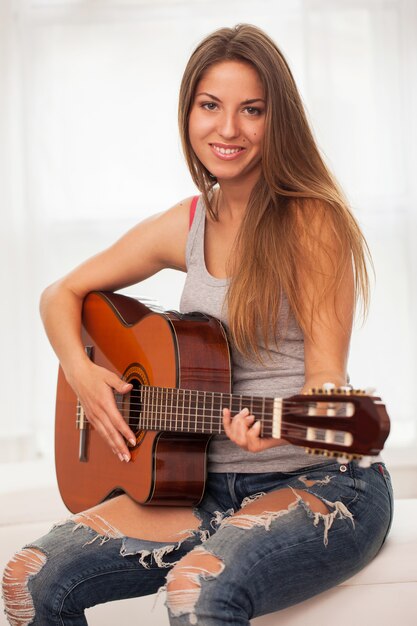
(191, 411)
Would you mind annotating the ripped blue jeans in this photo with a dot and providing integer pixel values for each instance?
(267, 562)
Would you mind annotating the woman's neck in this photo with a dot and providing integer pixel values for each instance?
(233, 198)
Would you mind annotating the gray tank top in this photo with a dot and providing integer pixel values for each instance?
(280, 375)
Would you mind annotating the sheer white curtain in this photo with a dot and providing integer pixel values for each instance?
(89, 146)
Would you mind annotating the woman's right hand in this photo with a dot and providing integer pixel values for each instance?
(95, 386)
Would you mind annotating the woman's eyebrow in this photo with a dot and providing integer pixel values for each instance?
(212, 97)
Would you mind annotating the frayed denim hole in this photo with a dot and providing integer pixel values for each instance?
(183, 601)
(347, 500)
(151, 554)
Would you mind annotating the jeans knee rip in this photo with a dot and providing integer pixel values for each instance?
(105, 531)
(156, 554)
(247, 521)
(19, 607)
(182, 601)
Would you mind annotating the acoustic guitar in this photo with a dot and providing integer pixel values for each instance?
(179, 366)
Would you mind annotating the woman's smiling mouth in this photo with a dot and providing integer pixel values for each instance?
(226, 151)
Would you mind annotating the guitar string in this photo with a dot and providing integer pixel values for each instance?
(192, 402)
(200, 417)
(285, 428)
(244, 400)
(157, 392)
(199, 411)
(299, 432)
(151, 422)
(195, 410)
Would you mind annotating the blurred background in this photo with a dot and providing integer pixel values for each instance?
(89, 146)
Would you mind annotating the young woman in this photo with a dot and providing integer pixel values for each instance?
(274, 252)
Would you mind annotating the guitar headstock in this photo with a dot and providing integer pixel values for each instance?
(341, 422)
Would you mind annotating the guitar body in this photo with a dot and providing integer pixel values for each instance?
(144, 348)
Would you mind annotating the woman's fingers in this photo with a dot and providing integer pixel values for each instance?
(253, 437)
(242, 429)
(106, 427)
(96, 394)
(122, 387)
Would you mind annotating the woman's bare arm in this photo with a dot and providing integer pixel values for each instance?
(328, 305)
(157, 243)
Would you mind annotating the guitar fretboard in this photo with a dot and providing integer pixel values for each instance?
(185, 410)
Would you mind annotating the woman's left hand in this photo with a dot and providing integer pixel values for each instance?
(244, 431)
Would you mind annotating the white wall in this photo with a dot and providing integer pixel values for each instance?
(89, 146)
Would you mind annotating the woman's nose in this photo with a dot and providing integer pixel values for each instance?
(228, 126)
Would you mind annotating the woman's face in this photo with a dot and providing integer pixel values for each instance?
(227, 121)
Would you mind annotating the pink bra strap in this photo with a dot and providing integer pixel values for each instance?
(192, 209)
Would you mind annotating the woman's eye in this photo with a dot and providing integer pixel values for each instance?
(253, 111)
(210, 106)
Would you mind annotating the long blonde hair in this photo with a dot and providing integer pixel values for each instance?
(295, 198)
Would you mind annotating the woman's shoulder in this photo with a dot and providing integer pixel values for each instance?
(178, 213)
(172, 222)
(167, 233)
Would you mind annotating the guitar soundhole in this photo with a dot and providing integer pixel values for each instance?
(135, 407)
(136, 375)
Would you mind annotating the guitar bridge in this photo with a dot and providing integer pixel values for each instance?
(82, 421)
(82, 425)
